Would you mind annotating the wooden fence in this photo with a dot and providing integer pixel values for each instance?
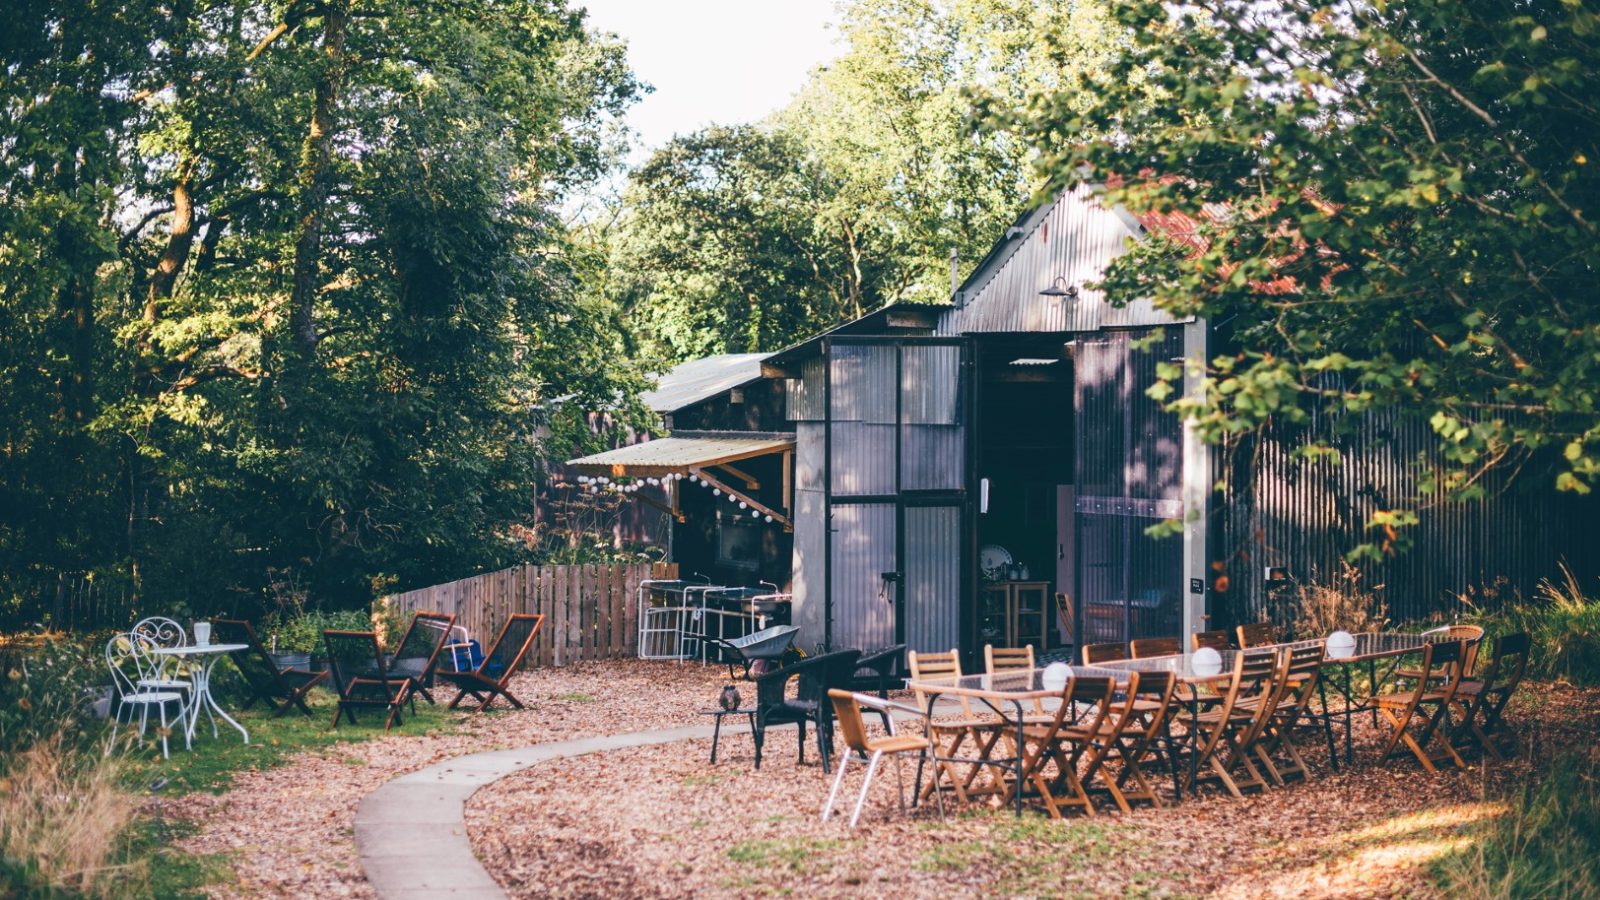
(590, 611)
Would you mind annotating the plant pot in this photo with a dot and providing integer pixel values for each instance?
(318, 663)
(291, 660)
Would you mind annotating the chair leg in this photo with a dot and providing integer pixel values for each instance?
(511, 699)
(861, 801)
(162, 712)
(833, 792)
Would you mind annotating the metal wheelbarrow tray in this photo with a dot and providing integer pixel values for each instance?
(768, 643)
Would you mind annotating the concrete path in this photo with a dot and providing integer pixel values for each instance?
(411, 834)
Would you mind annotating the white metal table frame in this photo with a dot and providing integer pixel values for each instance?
(204, 657)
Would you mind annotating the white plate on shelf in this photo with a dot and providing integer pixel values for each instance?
(992, 560)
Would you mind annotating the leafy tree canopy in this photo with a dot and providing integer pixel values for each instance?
(1404, 212)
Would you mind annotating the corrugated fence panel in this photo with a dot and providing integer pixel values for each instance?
(933, 578)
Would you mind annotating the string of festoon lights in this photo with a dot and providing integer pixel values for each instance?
(596, 484)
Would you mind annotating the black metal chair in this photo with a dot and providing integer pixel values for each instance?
(879, 672)
(817, 675)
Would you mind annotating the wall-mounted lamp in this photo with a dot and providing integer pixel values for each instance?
(1060, 288)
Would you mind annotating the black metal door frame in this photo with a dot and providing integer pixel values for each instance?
(902, 499)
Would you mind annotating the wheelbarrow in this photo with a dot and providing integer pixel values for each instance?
(768, 644)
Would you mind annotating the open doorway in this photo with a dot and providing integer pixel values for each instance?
(1025, 470)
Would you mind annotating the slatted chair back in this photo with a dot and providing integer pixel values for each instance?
(1111, 651)
(942, 664)
(1011, 659)
(1258, 634)
(1144, 648)
(1472, 634)
(1445, 660)
(1216, 640)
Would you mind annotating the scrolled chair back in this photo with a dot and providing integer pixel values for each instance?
(161, 631)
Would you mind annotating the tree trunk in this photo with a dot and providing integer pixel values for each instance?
(316, 176)
(181, 238)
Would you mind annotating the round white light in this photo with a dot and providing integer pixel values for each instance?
(743, 505)
(583, 479)
(1055, 676)
(653, 481)
(1207, 661)
(716, 492)
(769, 518)
(1341, 645)
(754, 513)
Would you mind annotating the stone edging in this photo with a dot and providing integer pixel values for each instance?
(411, 833)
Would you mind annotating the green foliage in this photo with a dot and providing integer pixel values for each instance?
(45, 683)
(1393, 210)
(302, 633)
(1564, 622)
(1545, 844)
(293, 298)
(854, 195)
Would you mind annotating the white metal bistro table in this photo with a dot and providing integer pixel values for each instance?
(202, 658)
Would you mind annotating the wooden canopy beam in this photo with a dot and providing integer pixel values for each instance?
(755, 504)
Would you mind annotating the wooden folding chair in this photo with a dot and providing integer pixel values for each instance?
(1014, 659)
(1096, 746)
(1293, 704)
(1472, 634)
(1144, 648)
(1148, 732)
(1257, 635)
(1064, 607)
(1228, 731)
(1216, 640)
(492, 677)
(1047, 744)
(1482, 700)
(950, 736)
(1401, 708)
(1108, 652)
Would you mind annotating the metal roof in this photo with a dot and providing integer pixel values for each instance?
(699, 379)
(677, 455)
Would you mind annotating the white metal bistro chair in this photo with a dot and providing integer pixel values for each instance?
(163, 673)
(134, 651)
(847, 709)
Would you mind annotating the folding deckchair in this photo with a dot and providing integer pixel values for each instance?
(418, 652)
(361, 678)
(492, 677)
(281, 687)
(1481, 700)
(1401, 708)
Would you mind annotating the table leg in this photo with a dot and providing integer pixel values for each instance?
(1194, 741)
(204, 700)
(1019, 751)
(1327, 724)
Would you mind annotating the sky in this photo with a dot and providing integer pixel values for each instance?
(722, 61)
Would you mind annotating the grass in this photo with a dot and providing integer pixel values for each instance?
(1033, 853)
(1564, 622)
(795, 853)
(577, 697)
(1547, 843)
(214, 762)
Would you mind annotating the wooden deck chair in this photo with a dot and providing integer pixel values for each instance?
(1110, 651)
(418, 651)
(1066, 747)
(358, 672)
(281, 687)
(1472, 634)
(1216, 640)
(492, 677)
(1403, 708)
(1064, 607)
(1293, 706)
(1148, 734)
(982, 731)
(1257, 634)
(1144, 648)
(1482, 700)
(1228, 731)
(1014, 659)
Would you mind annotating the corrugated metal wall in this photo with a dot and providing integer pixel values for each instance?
(933, 578)
(1073, 239)
(810, 525)
(863, 549)
(932, 443)
(1282, 510)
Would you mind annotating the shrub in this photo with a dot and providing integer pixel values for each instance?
(45, 689)
(303, 633)
(62, 818)
(1565, 625)
(1547, 844)
(1341, 602)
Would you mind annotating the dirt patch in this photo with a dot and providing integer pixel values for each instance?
(662, 822)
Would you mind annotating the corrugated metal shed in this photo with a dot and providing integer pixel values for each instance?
(1072, 239)
(677, 454)
(700, 379)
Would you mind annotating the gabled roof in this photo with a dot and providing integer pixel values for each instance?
(700, 379)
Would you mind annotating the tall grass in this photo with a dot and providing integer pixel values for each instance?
(1339, 600)
(63, 815)
(1564, 621)
(1547, 844)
